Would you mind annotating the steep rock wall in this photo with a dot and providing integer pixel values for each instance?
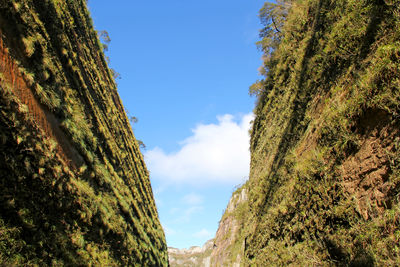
(228, 249)
(75, 190)
(324, 179)
(191, 257)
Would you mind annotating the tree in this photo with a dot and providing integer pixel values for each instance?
(133, 119)
(256, 88)
(116, 75)
(272, 16)
(105, 39)
(141, 144)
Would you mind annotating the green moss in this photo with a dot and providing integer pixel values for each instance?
(335, 66)
(98, 203)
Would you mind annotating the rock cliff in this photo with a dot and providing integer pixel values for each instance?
(191, 257)
(74, 190)
(324, 186)
(324, 176)
(228, 242)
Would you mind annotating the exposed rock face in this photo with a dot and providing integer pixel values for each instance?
(229, 247)
(366, 173)
(74, 189)
(194, 256)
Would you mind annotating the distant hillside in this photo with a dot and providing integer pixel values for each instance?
(191, 257)
(74, 190)
(324, 186)
(226, 248)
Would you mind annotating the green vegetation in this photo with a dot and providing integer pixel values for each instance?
(325, 179)
(324, 186)
(75, 189)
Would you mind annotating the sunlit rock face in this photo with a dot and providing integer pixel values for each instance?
(226, 249)
(228, 241)
(325, 138)
(193, 256)
(74, 188)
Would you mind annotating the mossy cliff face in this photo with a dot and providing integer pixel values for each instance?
(74, 187)
(324, 181)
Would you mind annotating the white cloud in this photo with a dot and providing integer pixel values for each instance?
(215, 152)
(192, 199)
(203, 234)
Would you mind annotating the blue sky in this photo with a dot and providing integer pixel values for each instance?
(185, 70)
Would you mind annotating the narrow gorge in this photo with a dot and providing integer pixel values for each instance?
(324, 181)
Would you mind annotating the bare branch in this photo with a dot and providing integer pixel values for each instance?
(273, 21)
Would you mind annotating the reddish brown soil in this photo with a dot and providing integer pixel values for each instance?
(365, 174)
(43, 118)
